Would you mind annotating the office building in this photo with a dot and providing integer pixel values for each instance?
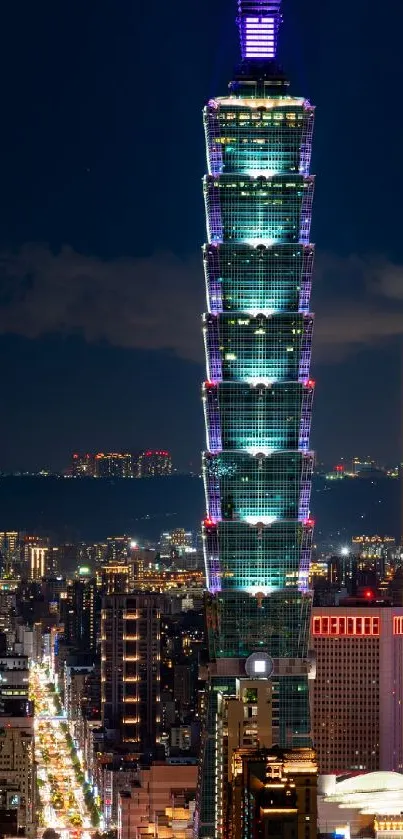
(342, 570)
(153, 463)
(80, 611)
(118, 548)
(258, 395)
(17, 763)
(158, 787)
(176, 542)
(113, 465)
(10, 551)
(83, 465)
(183, 686)
(36, 557)
(364, 468)
(75, 677)
(358, 691)
(8, 615)
(14, 677)
(369, 547)
(273, 793)
(261, 787)
(376, 556)
(130, 669)
(117, 578)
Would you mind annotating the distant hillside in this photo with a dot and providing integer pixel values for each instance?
(91, 510)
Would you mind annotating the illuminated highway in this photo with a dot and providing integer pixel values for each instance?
(59, 775)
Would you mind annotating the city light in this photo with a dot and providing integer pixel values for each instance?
(59, 771)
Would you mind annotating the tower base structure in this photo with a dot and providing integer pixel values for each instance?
(250, 704)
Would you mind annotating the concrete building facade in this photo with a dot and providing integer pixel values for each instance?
(357, 695)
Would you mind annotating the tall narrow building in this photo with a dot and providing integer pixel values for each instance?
(130, 670)
(257, 466)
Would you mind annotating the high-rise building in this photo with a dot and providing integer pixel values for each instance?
(358, 690)
(273, 793)
(9, 551)
(258, 395)
(117, 578)
(8, 614)
(153, 463)
(79, 613)
(17, 763)
(376, 556)
(82, 465)
(177, 543)
(113, 465)
(130, 668)
(118, 548)
(37, 557)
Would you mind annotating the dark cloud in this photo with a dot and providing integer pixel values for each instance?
(155, 303)
(145, 303)
(359, 302)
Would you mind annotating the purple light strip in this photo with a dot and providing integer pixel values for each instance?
(305, 488)
(213, 494)
(214, 576)
(213, 424)
(305, 559)
(213, 210)
(213, 284)
(306, 281)
(306, 142)
(305, 426)
(213, 354)
(212, 560)
(306, 212)
(214, 149)
(305, 357)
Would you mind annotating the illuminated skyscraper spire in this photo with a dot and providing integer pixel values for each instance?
(259, 23)
(257, 466)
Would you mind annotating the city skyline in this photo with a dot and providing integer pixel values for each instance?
(78, 253)
(201, 646)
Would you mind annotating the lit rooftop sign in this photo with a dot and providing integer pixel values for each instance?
(341, 625)
(259, 22)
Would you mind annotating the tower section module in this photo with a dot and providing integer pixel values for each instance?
(257, 466)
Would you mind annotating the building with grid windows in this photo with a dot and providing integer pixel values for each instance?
(358, 690)
(257, 399)
(130, 670)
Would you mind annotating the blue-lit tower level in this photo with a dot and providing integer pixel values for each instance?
(257, 398)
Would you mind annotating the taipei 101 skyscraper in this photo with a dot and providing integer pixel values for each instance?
(257, 398)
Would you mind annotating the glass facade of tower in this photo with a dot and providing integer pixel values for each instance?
(258, 394)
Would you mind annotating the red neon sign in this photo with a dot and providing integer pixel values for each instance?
(336, 626)
(398, 625)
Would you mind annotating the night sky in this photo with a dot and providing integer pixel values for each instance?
(102, 154)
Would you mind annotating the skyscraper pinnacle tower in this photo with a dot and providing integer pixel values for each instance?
(257, 398)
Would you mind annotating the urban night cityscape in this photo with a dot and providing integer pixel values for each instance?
(201, 503)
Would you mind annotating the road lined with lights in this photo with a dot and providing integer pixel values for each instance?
(60, 787)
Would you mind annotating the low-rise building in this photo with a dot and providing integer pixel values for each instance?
(157, 788)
